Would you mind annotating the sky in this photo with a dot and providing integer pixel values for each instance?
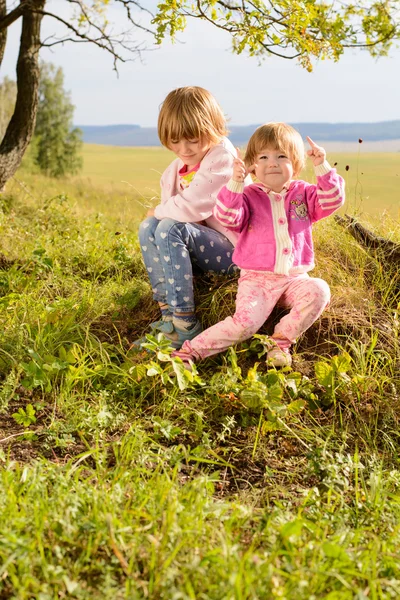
(356, 89)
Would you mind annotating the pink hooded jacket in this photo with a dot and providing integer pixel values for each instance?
(195, 203)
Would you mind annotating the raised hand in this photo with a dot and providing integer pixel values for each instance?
(317, 153)
(239, 168)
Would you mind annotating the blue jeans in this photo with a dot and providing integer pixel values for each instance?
(171, 248)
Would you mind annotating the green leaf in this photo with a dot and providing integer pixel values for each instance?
(341, 363)
(25, 417)
(183, 376)
(153, 369)
(269, 426)
(293, 382)
(30, 412)
(296, 406)
(332, 550)
(292, 529)
(34, 355)
(252, 399)
(275, 393)
(324, 374)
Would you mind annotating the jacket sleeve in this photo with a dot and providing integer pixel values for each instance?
(197, 201)
(231, 208)
(328, 195)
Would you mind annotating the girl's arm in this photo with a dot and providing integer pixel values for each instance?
(231, 208)
(328, 195)
(196, 202)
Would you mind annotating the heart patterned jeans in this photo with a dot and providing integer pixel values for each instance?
(170, 249)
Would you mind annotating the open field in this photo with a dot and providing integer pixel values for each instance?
(140, 168)
(130, 176)
(125, 477)
(372, 180)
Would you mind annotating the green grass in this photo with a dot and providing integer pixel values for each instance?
(127, 477)
(120, 182)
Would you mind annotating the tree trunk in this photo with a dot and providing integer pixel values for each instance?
(22, 125)
(3, 32)
(389, 251)
(384, 253)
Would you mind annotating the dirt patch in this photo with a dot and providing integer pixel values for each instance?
(24, 444)
(6, 263)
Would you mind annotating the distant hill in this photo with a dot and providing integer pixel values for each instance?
(134, 135)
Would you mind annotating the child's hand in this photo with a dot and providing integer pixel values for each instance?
(317, 153)
(239, 169)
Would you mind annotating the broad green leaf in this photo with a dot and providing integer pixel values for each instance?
(324, 374)
(269, 426)
(332, 550)
(275, 393)
(296, 406)
(252, 398)
(292, 529)
(342, 362)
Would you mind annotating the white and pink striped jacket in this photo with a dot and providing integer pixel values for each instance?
(275, 230)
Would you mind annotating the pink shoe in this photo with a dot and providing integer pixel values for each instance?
(277, 357)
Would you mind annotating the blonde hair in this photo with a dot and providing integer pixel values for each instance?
(191, 113)
(277, 136)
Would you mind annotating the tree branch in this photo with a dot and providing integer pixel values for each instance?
(103, 40)
(14, 15)
(232, 30)
(387, 37)
(127, 4)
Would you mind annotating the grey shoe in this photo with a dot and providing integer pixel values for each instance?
(161, 326)
(180, 336)
(175, 336)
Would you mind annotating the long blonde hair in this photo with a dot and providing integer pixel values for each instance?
(191, 113)
(277, 136)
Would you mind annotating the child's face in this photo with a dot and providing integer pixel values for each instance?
(273, 168)
(191, 152)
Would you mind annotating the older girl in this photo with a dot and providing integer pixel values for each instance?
(182, 230)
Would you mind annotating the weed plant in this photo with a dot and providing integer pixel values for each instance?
(127, 476)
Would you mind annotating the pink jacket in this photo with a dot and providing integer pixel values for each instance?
(196, 202)
(275, 230)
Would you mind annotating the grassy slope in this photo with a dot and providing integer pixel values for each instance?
(240, 483)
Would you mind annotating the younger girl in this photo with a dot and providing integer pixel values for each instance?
(182, 230)
(273, 218)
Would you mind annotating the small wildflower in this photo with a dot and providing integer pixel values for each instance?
(347, 167)
(360, 141)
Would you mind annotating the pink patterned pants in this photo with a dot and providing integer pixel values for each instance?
(257, 295)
